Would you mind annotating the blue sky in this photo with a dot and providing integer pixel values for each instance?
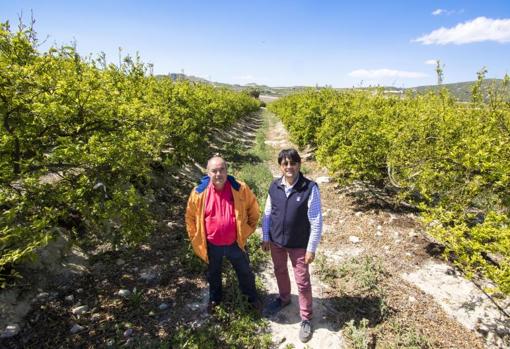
(284, 43)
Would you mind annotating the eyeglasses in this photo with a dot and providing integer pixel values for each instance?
(291, 163)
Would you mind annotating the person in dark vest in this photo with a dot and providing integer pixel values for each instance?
(292, 228)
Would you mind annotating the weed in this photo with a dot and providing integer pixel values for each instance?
(289, 346)
(369, 272)
(230, 327)
(365, 272)
(305, 169)
(358, 335)
(136, 298)
(327, 273)
(260, 149)
(408, 337)
(258, 177)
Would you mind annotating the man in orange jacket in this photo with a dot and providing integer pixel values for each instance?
(220, 216)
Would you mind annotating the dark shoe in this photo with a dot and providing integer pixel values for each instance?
(274, 307)
(306, 330)
(211, 306)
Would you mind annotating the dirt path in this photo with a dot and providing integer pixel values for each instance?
(428, 304)
(285, 325)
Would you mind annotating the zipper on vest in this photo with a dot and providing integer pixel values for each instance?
(285, 212)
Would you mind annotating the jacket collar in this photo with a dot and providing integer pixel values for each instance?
(204, 182)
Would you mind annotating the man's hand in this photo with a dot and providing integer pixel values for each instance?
(266, 246)
(309, 257)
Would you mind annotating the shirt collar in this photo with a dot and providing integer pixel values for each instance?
(226, 186)
(285, 185)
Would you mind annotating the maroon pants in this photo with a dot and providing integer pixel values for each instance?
(301, 275)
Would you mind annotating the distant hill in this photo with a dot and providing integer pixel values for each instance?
(180, 76)
(460, 90)
(264, 89)
(463, 90)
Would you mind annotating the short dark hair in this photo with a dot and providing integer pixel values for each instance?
(290, 154)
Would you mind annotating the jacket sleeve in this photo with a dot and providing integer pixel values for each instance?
(252, 208)
(191, 224)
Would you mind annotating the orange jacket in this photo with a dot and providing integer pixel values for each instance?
(246, 212)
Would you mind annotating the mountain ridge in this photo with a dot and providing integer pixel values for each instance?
(462, 91)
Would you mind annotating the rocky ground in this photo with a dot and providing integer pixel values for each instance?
(137, 297)
(423, 296)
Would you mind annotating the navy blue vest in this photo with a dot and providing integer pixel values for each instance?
(290, 226)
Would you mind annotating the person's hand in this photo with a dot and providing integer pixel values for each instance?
(309, 257)
(265, 246)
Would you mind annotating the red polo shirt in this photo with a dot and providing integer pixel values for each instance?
(220, 221)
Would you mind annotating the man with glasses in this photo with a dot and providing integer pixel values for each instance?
(292, 228)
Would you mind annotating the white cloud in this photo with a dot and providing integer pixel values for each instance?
(385, 73)
(431, 61)
(478, 30)
(440, 11)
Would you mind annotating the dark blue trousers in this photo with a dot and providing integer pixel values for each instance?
(241, 264)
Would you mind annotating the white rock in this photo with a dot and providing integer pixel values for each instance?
(76, 328)
(502, 330)
(323, 179)
(358, 214)
(379, 228)
(42, 295)
(128, 332)
(82, 309)
(163, 306)
(378, 233)
(194, 306)
(120, 261)
(124, 293)
(412, 299)
(69, 298)
(148, 275)
(326, 228)
(10, 331)
(172, 224)
(354, 239)
(279, 339)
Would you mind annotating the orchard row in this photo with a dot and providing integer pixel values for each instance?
(79, 139)
(449, 159)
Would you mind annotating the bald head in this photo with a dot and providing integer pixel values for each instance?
(217, 171)
(214, 160)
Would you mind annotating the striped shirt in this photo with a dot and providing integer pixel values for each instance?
(314, 216)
